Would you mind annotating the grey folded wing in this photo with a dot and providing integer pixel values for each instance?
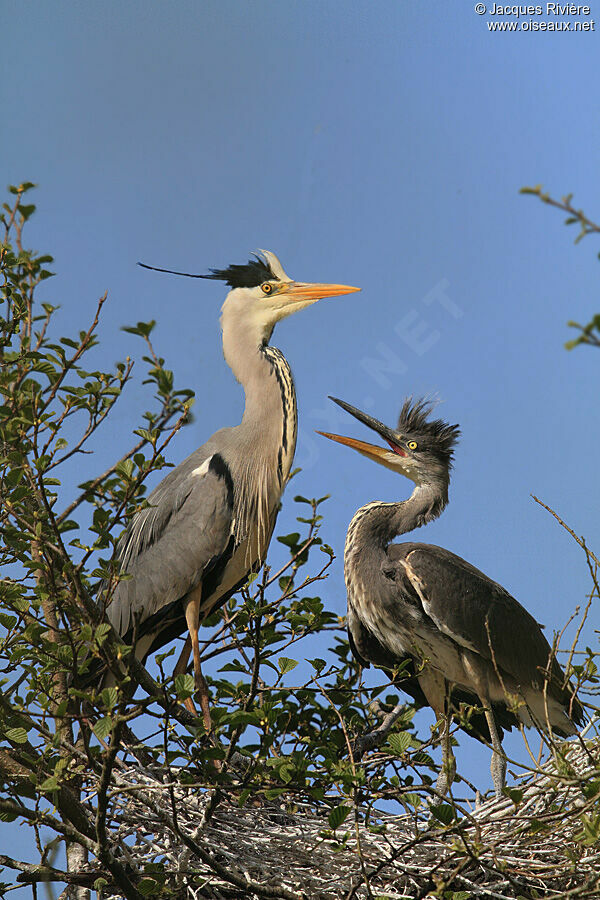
(477, 612)
(170, 545)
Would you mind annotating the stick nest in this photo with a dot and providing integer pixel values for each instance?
(539, 843)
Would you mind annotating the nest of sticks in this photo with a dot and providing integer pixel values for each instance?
(537, 844)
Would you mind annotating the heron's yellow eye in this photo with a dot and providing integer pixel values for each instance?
(412, 445)
(266, 287)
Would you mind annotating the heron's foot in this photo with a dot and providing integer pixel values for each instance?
(498, 770)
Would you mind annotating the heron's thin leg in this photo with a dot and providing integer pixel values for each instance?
(498, 764)
(192, 617)
(184, 657)
(448, 770)
(180, 669)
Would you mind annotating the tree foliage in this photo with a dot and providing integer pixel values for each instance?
(590, 333)
(92, 772)
(61, 742)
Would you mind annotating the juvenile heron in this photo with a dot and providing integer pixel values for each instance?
(458, 635)
(209, 522)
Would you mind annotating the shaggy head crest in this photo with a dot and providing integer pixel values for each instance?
(433, 435)
(264, 267)
(252, 274)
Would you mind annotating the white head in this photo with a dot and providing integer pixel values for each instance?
(262, 294)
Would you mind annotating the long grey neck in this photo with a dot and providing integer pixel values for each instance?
(266, 437)
(375, 525)
(270, 415)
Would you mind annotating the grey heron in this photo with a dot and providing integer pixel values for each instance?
(459, 636)
(209, 522)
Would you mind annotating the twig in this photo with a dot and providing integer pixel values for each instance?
(374, 738)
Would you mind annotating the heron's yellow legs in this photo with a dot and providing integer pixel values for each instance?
(192, 617)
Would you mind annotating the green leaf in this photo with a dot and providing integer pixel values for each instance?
(185, 686)
(317, 663)
(26, 210)
(286, 664)
(413, 800)
(515, 794)
(103, 727)
(17, 735)
(290, 540)
(160, 657)
(50, 784)
(338, 815)
(101, 631)
(285, 773)
(145, 434)
(400, 742)
(234, 666)
(143, 329)
(148, 886)
(109, 697)
(443, 812)
(241, 717)
(125, 468)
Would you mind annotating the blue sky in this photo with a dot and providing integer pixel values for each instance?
(381, 145)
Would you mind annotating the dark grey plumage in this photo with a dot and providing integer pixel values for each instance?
(459, 636)
(433, 435)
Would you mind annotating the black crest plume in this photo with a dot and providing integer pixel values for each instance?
(256, 271)
(434, 435)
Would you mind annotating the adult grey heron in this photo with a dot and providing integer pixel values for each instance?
(209, 522)
(458, 636)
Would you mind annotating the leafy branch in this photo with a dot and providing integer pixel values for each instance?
(590, 333)
(133, 791)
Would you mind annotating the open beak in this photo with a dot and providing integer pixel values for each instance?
(371, 451)
(298, 290)
(388, 458)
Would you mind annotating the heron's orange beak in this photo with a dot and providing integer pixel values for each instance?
(391, 459)
(298, 290)
(381, 455)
